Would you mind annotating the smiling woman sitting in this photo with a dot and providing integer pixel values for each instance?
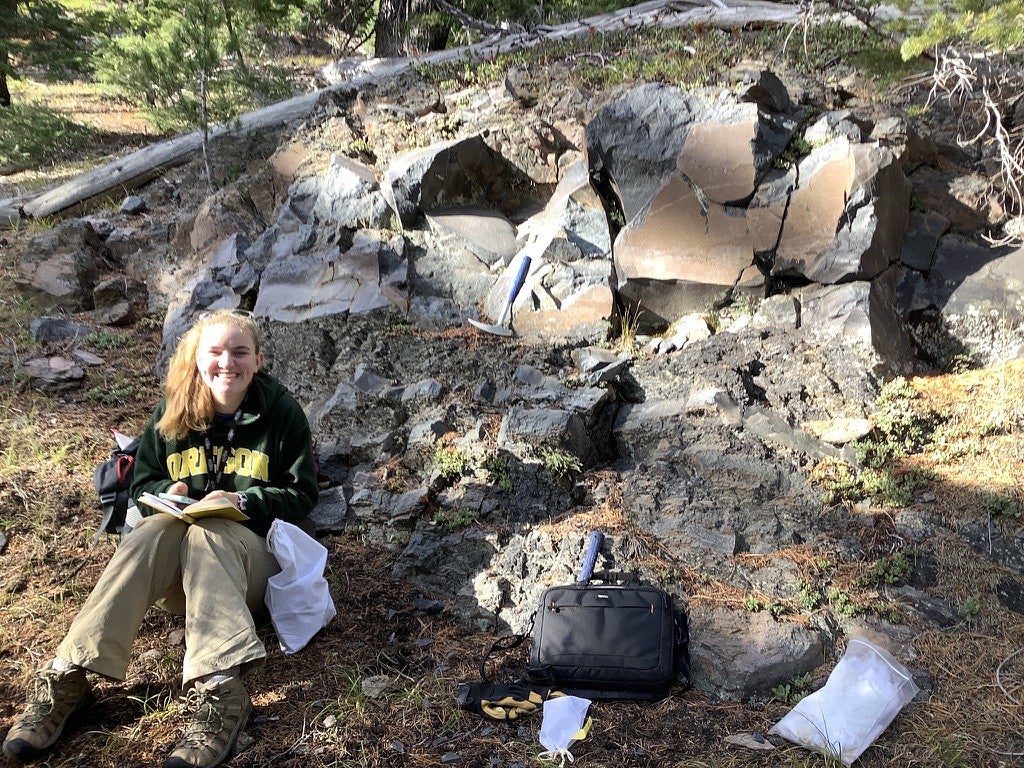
(224, 430)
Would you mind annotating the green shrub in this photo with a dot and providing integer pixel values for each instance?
(889, 488)
(992, 25)
(902, 425)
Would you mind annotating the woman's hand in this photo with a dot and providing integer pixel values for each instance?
(219, 494)
(178, 489)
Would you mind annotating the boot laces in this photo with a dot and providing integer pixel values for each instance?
(207, 718)
(43, 698)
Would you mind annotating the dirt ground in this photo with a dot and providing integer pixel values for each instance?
(312, 709)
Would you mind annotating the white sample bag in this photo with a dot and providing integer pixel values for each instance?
(298, 597)
(864, 693)
(564, 721)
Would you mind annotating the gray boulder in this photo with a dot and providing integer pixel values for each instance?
(63, 263)
(454, 173)
(735, 655)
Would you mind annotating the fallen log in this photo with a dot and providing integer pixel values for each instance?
(143, 165)
(136, 169)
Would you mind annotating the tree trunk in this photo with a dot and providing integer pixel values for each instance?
(393, 36)
(387, 41)
(5, 93)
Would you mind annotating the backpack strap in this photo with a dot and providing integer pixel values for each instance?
(115, 507)
(506, 643)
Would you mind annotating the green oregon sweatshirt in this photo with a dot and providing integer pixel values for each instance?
(269, 459)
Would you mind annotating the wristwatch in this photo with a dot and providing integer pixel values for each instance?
(242, 502)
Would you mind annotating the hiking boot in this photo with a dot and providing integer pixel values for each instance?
(55, 696)
(220, 712)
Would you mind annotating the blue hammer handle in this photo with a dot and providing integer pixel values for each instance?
(515, 286)
(593, 548)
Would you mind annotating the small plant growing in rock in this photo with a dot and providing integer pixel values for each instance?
(971, 608)
(559, 463)
(454, 520)
(793, 691)
(629, 322)
(809, 596)
(842, 602)
(447, 126)
(1001, 504)
(500, 471)
(837, 480)
(886, 612)
(753, 604)
(450, 463)
(361, 146)
(745, 304)
(892, 569)
(798, 147)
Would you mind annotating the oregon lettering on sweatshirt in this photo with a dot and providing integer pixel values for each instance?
(242, 462)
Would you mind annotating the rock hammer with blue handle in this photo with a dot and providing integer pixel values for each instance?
(499, 328)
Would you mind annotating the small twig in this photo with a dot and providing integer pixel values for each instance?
(21, 495)
(75, 571)
(999, 681)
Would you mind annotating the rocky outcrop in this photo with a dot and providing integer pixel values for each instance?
(765, 262)
(708, 218)
(65, 263)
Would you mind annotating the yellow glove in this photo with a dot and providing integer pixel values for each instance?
(502, 702)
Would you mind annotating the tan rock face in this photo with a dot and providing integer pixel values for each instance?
(221, 215)
(592, 307)
(718, 159)
(285, 163)
(685, 238)
(815, 210)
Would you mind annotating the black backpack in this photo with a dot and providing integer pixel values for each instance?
(112, 480)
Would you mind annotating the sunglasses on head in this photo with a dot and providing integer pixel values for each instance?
(225, 311)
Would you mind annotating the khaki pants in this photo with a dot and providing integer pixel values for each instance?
(214, 572)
